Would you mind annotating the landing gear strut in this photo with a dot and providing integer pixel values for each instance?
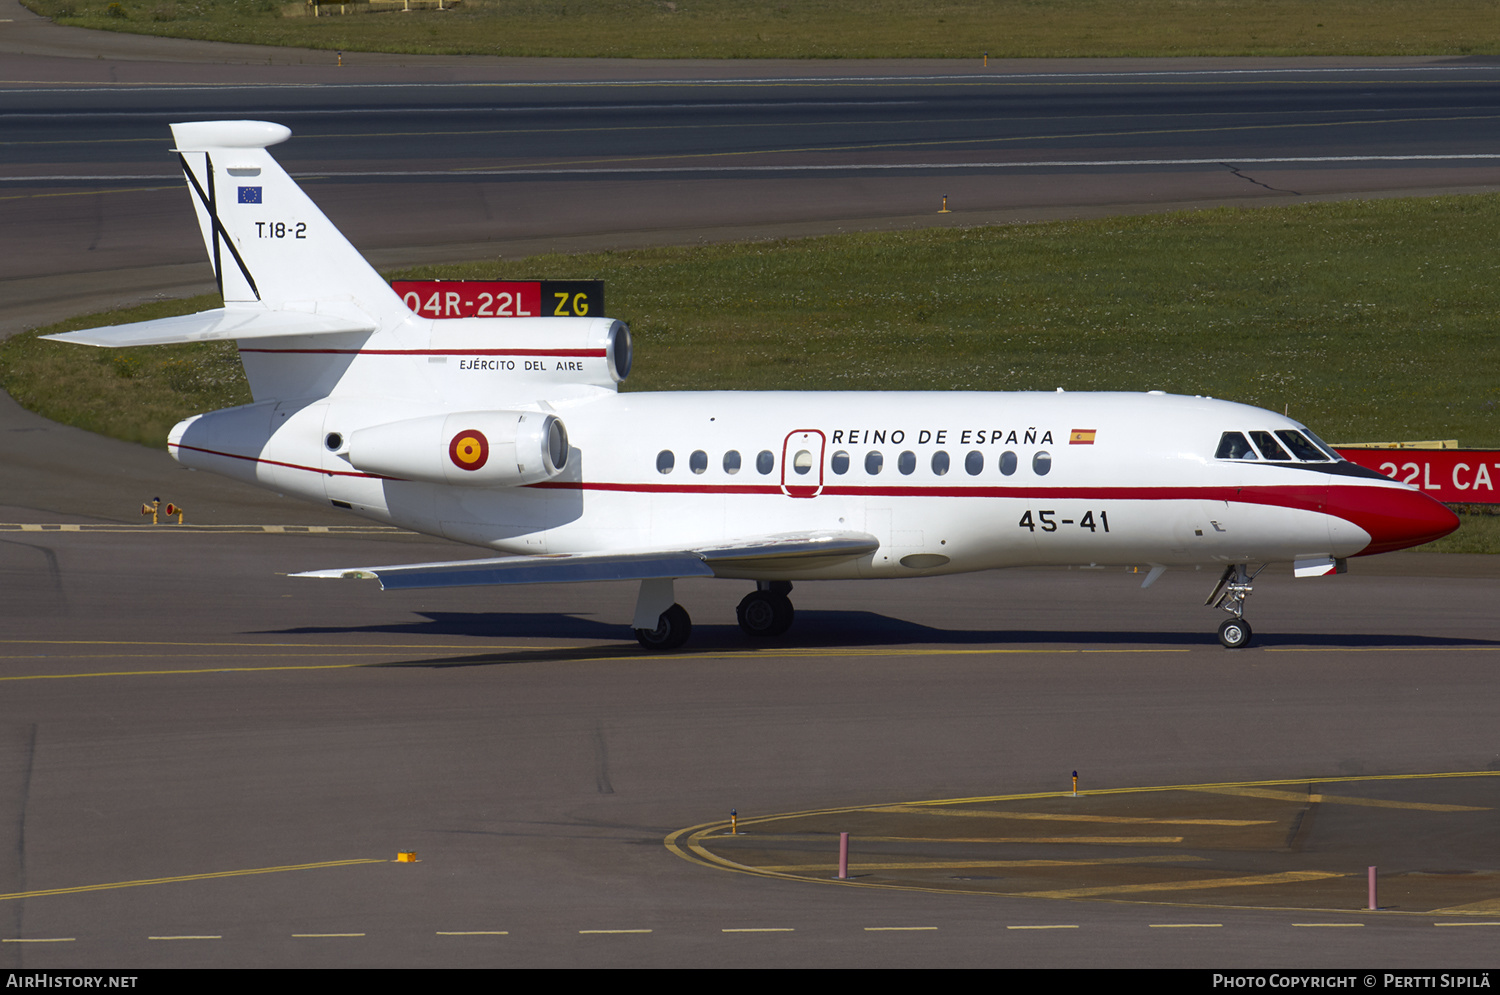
(766, 612)
(1230, 594)
(660, 623)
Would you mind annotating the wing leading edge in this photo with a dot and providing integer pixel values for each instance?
(793, 552)
(209, 326)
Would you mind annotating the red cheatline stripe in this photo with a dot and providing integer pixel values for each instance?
(1308, 497)
(561, 353)
(290, 466)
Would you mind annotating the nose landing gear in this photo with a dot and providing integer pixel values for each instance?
(1230, 594)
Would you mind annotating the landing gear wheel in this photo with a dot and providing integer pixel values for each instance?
(1234, 633)
(763, 615)
(672, 630)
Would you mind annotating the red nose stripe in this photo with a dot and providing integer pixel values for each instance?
(1395, 517)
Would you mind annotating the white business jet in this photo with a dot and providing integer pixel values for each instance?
(510, 434)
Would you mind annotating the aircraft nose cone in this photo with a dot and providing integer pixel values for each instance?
(1394, 517)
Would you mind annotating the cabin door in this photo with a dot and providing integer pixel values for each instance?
(802, 463)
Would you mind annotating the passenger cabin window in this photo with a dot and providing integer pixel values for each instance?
(1007, 463)
(1233, 445)
(874, 462)
(1300, 447)
(939, 463)
(1266, 443)
(802, 462)
(732, 461)
(698, 462)
(974, 463)
(840, 462)
(765, 462)
(665, 461)
(1041, 464)
(907, 462)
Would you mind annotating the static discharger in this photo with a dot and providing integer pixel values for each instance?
(154, 509)
(406, 857)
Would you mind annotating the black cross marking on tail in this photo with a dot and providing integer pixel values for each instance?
(210, 202)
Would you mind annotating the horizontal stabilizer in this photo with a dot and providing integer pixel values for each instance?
(209, 326)
(793, 551)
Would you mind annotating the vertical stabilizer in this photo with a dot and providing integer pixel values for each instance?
(269, 244)
(273, 250)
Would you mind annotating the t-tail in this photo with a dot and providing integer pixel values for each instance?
(313, 319)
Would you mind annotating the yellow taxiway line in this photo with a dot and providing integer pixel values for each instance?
(80, 889)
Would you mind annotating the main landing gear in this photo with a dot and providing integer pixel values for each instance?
(662, 624)
(1230, 594)
(766, 612)
(673, 627)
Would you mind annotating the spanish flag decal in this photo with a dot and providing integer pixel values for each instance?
(469, 449)
(1082, 437)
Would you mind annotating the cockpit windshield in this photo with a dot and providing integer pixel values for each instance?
(1266, 443)
(1300, 447)
(1323, 446)
(1272, 447)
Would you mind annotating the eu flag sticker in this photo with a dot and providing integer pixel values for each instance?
(249, 195)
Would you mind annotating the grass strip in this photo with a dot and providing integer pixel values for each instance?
(824, 29)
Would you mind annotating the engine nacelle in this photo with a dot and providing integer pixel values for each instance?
(513, 357)
(474, 448)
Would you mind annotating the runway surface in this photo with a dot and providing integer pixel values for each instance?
(208, 763)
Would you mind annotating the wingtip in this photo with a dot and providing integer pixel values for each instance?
(338, 574)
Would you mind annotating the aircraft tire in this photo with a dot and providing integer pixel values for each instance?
(763, 615)
(1234, 633)
(672, 630)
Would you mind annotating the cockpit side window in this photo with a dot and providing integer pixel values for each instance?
(1268, 446)
(1300, 447)
(1233, 445)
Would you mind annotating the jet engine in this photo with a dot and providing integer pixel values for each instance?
(476, 448)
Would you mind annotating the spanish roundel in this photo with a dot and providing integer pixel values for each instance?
(469, 449)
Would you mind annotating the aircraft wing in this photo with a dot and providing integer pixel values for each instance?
(220, 323)
(792, 551)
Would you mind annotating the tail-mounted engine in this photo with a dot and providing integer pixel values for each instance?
(477, 448)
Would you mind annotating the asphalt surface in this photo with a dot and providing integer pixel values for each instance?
(175, 709)
(207, 763)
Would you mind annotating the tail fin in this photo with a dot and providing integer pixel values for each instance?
(269, 244)
(334, 325)
(285, 271)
